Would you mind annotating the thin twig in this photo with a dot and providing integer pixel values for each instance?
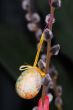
(48, 58)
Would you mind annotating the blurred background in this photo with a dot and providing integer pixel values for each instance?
(18, 46)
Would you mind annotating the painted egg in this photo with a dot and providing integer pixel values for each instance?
(29, 83)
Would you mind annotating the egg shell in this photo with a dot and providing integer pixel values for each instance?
(29, 83)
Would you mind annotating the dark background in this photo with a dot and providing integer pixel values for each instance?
(17, 47)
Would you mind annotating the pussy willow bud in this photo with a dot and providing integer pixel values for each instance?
(38, 34)
(58, 102)
(26, 5)
(47, 19)
(46, 80)
(28, 17)
(41, 64)
(58, 90)
(43, 57)
(48, 34)
(35, 108)
(31, 27)
(51, 85)
(55, 49)
(53, 72)
(35, 18)
(56, 3)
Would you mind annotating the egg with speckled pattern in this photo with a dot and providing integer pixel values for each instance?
(29, 83)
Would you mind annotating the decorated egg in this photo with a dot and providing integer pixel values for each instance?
(29, 83)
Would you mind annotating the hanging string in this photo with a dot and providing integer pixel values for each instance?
(39, 50)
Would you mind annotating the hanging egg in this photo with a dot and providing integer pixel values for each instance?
(29, 83)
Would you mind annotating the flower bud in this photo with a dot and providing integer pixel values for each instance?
(38, 34)
(31, 27)
(28, 17)
(58, 102)
(35, 108)
(47, 19)
(56, 3)
(55, 49)
(53, 73)
(48, 34)
(51, 85)
(43, 57)
(46, 80)
(59, 90)
(41, 64)
(26, 5)
(35, 18)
